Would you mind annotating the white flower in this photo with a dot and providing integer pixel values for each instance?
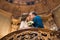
(30, 23)
(54, 28)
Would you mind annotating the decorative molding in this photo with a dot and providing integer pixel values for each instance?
(55, 8)
(6, 14)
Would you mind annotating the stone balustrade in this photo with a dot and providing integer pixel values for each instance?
(32, 34)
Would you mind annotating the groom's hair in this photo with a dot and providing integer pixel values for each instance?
(34, 13)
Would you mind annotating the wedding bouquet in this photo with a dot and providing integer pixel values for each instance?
(30, 23)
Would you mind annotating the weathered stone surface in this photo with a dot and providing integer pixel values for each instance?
(56, 15)
(31, 34)
(5, 23)
(41, 6)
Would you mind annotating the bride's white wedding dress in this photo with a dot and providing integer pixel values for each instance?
(24, 25)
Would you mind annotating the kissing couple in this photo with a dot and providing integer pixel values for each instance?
(31, 20)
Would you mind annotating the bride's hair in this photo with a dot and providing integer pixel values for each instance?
(24, 16)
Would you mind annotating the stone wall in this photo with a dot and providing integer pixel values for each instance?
(40, 6)
(56, 15)
(5, 23)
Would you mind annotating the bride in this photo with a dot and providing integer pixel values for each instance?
(24, 21)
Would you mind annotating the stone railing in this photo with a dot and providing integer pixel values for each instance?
(31, 34)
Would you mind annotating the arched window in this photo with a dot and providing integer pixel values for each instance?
(11, 1)
(30, 3)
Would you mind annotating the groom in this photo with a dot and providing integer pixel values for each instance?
(36, 19)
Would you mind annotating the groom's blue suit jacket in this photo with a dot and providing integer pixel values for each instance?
(38, 22)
